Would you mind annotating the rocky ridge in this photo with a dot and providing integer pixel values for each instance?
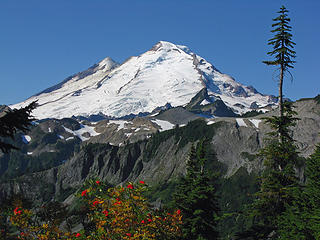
(150, 148)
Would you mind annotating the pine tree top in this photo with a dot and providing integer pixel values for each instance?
(282, 41)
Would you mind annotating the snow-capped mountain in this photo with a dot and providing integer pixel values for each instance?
(166, 74)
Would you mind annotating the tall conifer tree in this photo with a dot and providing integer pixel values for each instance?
(282, 49)
(196, 198)
(279, 183)
(301, 221)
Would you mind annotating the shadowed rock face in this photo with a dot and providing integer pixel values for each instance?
(235, 142)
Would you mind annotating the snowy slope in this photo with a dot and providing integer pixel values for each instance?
(167, 73)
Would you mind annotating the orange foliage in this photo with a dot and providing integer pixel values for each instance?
(117, 213)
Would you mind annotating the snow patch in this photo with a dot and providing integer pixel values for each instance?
(49, 130)
(204, 102)
(29, 153)
(210, 122)
(26, 139)
(59, 136)
(164, 125)
(81, 131)
(255, 122)
(241, 123)
(153, 115)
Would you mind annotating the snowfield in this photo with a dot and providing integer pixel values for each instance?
(241, 123)
(79, 133)
(167, 73)
(255, 122)
(164, 125)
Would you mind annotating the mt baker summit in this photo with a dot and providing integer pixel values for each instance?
(166, 74)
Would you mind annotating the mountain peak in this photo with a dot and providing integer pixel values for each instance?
(168, 46)
(166, 74)
(107, 63)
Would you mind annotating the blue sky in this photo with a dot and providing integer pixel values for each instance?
(42, 42)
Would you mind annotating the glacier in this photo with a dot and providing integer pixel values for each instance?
(166, 74)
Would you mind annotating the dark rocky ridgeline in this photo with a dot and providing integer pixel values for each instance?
(214, 107)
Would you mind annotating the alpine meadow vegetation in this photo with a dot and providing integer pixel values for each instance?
(113, 213)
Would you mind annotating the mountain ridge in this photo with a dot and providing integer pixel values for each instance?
(66, 152)
(166, 74)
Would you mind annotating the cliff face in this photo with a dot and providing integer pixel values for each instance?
(142, 154)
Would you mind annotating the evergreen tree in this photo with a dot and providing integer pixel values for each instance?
(312, 192)
(12, 121)
(279, 185)
(301, 221)
(282, 49)
(195, 196)
(278, 181)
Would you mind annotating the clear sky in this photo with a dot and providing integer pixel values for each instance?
(42, 42)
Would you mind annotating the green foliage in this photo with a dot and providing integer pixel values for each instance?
(93, 148)
(278, 182)
(49, 138)
(252, 113)
(52, 212)
(234, 194)
(196, 197)
(6, 206)
(14, 164)
(162, 191)
(302, 218)
(57, 151)
(13, 121)
(64, 193)
(17, 163)
(312, 193)
(281, 42)
(105, 212)
(193, 131)
(282, 49)
(282, 125)
(154, 143)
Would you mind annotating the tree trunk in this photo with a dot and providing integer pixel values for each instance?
(280, 91)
